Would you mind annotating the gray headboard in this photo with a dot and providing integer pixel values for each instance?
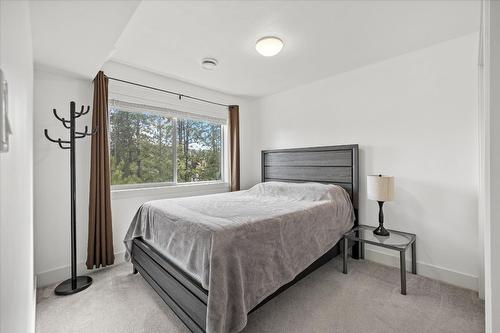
(331, 165)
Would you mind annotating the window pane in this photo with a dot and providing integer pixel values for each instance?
(199, 148)
(140, 147)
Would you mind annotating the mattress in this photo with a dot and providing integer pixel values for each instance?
(242, 246)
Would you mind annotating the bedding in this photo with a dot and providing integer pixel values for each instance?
(242, 246)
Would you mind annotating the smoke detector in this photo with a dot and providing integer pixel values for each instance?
(209, 63)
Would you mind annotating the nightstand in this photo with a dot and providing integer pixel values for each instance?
(397, 240)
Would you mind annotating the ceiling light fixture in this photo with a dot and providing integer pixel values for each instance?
(269, 46)
(209, 63)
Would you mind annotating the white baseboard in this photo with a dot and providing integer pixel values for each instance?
(431, 271)
(59, 274)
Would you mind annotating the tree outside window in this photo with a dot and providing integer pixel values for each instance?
(142, 147)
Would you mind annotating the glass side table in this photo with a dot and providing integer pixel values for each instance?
(397, 240)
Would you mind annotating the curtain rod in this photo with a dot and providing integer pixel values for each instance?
(167, 91)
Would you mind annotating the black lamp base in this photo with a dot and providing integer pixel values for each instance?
(66, 287)
(381, 231)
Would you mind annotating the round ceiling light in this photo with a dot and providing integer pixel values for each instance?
(269, 46)
(209, 63)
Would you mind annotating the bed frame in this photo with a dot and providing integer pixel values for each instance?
(185, 296)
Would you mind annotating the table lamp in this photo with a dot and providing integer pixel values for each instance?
(381, 189)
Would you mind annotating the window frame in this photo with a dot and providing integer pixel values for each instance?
(174, 183)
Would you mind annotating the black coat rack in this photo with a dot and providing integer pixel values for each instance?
(75, 283)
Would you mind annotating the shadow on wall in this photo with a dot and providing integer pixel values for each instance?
(438, 210)
(425, 210)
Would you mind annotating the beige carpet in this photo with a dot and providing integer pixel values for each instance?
(365, 300)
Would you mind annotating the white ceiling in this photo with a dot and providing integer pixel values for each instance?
(77, 36)
(321, 38)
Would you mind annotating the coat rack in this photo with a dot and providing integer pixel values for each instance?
(75, 283)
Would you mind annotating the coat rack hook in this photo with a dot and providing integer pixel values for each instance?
(60, 142)
(64, 121)
(46, 132)
(82, 112)
(83, 134)
(86, 132)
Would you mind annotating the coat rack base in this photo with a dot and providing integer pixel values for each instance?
(66, 287)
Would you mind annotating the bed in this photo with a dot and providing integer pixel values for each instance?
(215, 259)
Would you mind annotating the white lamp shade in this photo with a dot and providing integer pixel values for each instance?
(380, 188)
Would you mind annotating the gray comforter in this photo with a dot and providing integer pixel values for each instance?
(242, 246)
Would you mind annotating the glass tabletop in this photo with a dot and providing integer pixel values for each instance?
(396, 239)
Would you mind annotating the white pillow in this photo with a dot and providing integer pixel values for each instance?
(298, 191)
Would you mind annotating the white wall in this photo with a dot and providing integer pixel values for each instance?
(17, 294)
(414, 117)
(51, 173)
(492, 195)
(52, 234)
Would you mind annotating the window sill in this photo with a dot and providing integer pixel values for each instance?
(170, 191)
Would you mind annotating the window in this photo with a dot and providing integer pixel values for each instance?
(150, 148)
(199, 151)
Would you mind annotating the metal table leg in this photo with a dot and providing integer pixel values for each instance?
(402, 262)
(414, 257)
(361, 250)
(345, 243)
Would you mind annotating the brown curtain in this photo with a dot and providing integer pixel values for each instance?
(234, 146)
(100, 243)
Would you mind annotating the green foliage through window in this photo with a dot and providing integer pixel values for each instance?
(199, 148)
(142, 149)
